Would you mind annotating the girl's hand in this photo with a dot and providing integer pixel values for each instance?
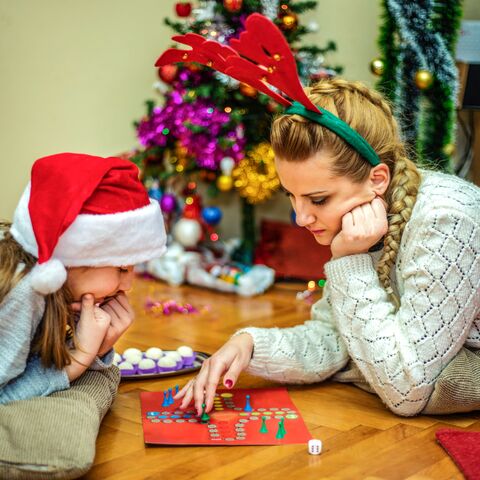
(232, 358)
(362, 228)
(121, 317)
(90, 332)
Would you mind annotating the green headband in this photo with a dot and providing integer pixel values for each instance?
(338, 126)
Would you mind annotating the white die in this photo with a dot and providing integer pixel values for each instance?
(314, 447)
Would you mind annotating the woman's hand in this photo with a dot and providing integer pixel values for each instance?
(229, 361)
(90, 332)
(121, 317)
(361, 229)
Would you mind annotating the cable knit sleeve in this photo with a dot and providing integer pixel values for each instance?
(402, 353)
(306, 353)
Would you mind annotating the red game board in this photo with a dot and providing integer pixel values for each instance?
(229, 424)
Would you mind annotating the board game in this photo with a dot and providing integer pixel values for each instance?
(265, 416)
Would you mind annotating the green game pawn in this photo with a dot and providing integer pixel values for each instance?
(264, 425)
(204, 418)
(281, 430)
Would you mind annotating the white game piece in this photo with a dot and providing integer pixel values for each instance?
(175, 355)
(185, 351)
(314, 446)
(132, 356)
(154, 353)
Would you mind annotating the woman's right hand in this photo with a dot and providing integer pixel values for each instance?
(90, 332)
(229, 361)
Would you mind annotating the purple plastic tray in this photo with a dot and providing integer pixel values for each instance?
(200, 358)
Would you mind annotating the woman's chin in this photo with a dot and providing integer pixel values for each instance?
(321, 240)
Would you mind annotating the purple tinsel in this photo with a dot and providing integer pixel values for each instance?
(171, 121)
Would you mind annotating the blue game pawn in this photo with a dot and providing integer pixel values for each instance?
(248, 407)
(169, 398)
(176, 389)
(165, 399)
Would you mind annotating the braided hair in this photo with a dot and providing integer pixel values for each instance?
(295, 138)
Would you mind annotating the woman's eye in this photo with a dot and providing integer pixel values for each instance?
(123, 270)
(319, 201)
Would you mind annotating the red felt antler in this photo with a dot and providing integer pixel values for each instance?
(260, 57)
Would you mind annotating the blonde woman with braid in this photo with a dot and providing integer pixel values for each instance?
(400, 314)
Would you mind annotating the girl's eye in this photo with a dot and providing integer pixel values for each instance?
(318, 201)
(123, 269)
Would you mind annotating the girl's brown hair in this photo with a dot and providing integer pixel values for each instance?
(295, 138)
(50, 339)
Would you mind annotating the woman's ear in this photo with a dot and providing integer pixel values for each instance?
(379, 178)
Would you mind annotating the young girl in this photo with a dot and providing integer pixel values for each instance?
(402, 295)
(65, 264)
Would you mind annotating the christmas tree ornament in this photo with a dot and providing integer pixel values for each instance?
(183, 9)
(211, 215)
(187, 232)
(247, 91)
(224, 183)
(449, 149)
(423, 79)
(377, 66)
(233, 6)
(155, 192)
(255, 176)
(289, 21)
(226, 165)
(168, 73)
(168, 203)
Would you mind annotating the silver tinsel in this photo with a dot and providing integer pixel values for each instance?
(270, 8)
(423, 49)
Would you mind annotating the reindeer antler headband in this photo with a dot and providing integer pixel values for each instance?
(261, 57)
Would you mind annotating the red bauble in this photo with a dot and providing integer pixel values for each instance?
(183, 9)
(168, 73)
(233, 6)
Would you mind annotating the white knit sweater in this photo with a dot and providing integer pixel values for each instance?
(400, 353)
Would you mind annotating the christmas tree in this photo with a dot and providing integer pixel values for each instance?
(418, 74)
(211, 128)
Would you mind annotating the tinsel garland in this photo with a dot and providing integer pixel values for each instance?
(415, 38)
(255, 176)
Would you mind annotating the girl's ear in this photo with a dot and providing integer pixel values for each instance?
(379, 178)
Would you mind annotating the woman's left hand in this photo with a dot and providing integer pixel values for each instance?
(122, 316)
(362, 228)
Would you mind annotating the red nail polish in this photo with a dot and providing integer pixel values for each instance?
(228, 384)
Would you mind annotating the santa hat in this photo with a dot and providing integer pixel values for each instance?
(83, 210)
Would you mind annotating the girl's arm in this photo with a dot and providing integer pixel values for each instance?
(306, 353)
(35, 381)
(20, 313)
(401, 353)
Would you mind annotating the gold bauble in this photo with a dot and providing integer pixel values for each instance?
(289, 21)
(224, 183)
(423, 79)
(248, 91)
(449, 149)
(377, 66)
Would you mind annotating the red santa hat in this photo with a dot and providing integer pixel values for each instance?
(83, 210)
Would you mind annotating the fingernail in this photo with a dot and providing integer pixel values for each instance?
(228, 383)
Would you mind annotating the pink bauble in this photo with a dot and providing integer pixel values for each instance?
(168, 202)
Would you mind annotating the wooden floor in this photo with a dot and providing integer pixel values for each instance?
(361, 438)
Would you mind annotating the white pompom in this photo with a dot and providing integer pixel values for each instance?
(48, 277)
